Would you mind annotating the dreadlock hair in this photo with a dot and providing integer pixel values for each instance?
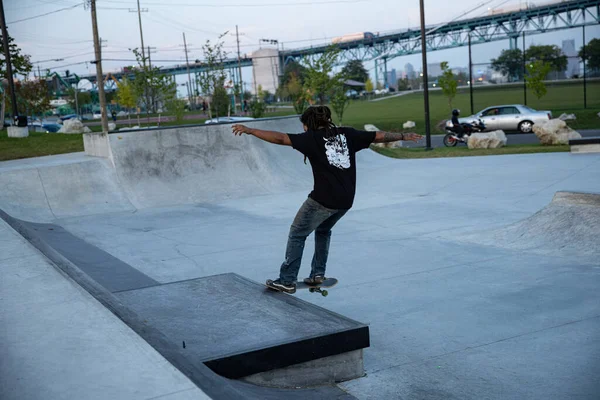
(319, 117)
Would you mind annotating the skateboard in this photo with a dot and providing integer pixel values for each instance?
(327, 283)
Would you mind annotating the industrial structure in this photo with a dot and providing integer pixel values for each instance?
(268, 63)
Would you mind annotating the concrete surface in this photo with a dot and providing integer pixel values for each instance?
(58, 342)
(449, 318)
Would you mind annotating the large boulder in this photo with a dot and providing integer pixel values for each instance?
(487, 140)
(409, 125)
(74, 126)
(554, 132)
(373, 128)
(112, 126)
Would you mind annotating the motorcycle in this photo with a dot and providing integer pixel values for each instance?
(452, 138)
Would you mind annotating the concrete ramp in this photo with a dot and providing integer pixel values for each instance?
(569, 226)
(188, 165)
(48, 188)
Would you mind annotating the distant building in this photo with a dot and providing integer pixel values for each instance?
(434, 70)
(265, 69)
(410, 71)
(568, 49)
(391, 79)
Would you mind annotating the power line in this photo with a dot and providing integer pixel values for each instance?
(216, 5)
(43, 15)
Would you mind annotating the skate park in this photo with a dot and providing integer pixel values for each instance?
(138, 271)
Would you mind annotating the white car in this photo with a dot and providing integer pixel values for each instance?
(228, 120)
(511, 117)
(96, 116)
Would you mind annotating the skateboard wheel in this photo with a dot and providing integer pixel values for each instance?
(312, 290)
(324, 293)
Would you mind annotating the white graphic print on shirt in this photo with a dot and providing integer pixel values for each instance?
(336, 149)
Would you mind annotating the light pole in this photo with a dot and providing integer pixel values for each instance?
(425, 82)
(9, 71)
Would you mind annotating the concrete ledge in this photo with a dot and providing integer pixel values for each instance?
(18, 131)
(96, 144)
(577, 198)
(327, 370)
(237, 327)
(585, 145)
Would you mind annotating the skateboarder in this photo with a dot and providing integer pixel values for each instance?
(331, 151)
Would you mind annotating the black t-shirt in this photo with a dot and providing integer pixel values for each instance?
(333, 163)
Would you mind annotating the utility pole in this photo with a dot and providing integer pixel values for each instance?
(524, 73)
(9, 71)
(75, 87)
(237, 35)
(187, 66)
(471, 76)
(149, 94)
(425, 80)
(584, 71)
(139, 12)
(98, 62)
(141, 33)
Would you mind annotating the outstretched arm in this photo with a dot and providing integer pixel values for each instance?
(385, 137)
(268, 136)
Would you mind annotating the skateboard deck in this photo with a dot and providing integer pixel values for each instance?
(320, 288)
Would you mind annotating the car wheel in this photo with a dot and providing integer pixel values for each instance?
(525, 126)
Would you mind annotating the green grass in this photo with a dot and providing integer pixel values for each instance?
(38, 144)
(463, 151)
(390, 114)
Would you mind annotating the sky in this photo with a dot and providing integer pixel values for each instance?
(67, 34)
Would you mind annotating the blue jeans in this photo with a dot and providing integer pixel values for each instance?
(312, 217)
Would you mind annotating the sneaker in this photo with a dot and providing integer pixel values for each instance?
(314, 280)
(282, 287)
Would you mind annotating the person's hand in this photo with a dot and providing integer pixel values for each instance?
(238, 129)
(412, 137)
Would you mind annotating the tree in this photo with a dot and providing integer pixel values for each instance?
(318, 69)
(510, 64)
(266, 96)
(356, 71)
(126, 96)
(553, 55)
(213, 79)
(177, 107)
(592, 54)
(368, 86)
(536, 73)
(257, 108)
(339, 102)
(151, 86)
(83, 98)
(298, 94)
(292, 69)
(403, 84)
(448, 83)
(220, 100)
(33, 96)
(21, 64)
